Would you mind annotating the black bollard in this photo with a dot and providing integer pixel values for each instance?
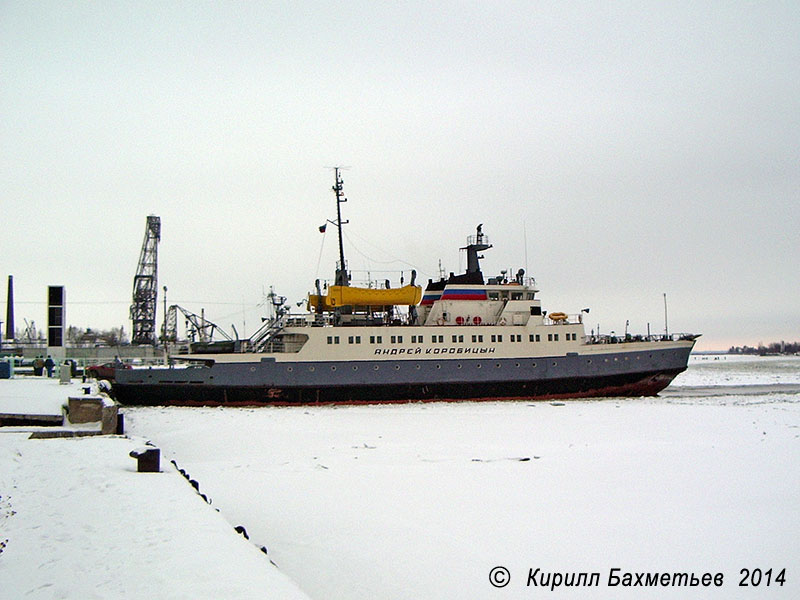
(148, 459)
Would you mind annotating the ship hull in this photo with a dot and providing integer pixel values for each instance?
(266, 382)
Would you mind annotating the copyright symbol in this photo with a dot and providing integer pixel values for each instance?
(499, 577)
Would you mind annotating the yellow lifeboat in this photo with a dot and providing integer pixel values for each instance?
(341, 295)
(558, 316)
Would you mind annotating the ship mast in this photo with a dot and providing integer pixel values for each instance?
(341, 273)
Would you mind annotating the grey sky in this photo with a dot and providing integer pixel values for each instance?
(639, 148)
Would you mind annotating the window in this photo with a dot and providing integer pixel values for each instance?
(499, 338)
(455, 339)
(530, 338)
(555, 337)
(399, 339)
(330, 339)
(358, 339)
(350, 339)
(394, 339)
(416, 339)
(494, 338)
(516, 296)
(336, 339)
(480, 338)
(372, 339)
(549, 337)
(538, 338)
(380, 339)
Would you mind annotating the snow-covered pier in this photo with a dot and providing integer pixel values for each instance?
(78, 521)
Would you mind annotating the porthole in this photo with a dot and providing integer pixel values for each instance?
(397, 367)
(534, 365)
(516, 365)
(417, 367)
(555, 364)
(438, 366)
(589, 361)
(333, 368)
(478, 365)
(253, 369)
(376, 367)
(496, 365)
(312, 369)
(290, 369)
(355, 367)
(458, 366)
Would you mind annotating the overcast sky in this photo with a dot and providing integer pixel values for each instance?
(618, 151)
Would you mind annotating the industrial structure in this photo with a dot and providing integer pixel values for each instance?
(10, 335)
(145, 286)
(198, 328)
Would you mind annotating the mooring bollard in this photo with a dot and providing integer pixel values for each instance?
(148, 459)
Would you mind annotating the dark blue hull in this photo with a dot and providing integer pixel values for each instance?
(640, 373)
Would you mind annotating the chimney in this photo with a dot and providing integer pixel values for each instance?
(10, 309)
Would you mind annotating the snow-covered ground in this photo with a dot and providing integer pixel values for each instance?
(77, 520)
(425, 500)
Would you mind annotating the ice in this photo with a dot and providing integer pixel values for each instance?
(419, 500)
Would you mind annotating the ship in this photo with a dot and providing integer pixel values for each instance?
(465, 337)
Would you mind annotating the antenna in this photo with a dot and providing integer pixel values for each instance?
(341, 273)
(525, 241)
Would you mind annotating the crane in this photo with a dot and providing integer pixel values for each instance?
(145, 286)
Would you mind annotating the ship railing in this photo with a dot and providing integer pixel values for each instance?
(265, 333)
(629, 338)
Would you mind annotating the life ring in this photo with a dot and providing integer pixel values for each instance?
(558, 316)
(459, 320)
(476, 320)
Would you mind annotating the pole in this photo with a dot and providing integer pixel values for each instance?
(341, 274)
(666, 326)
(164, 329)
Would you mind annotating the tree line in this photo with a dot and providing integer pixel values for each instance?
(773, 348)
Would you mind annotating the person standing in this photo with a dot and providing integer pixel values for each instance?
(49, 363)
